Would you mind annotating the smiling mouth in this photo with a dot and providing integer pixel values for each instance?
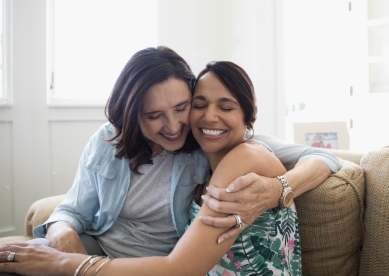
(173, 137)
(212, 132)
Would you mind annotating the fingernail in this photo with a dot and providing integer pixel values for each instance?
(220, 241)
(200, 217)
(230, 188)
(206, 188)
(203, 197)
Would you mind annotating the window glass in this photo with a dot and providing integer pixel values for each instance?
(379, 77)
(377, 8)
(2, 96)
(91, 42)
(378, 31)
(379, 40)
(315, 66)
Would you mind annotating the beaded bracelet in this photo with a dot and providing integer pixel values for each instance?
(92, 262)
(97, 270)
(82, 264)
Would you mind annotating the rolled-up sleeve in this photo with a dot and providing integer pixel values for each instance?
(81, 201)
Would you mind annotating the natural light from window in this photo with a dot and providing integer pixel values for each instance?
(93, 39)
(337, 70)
(316, 68)
(1, 51)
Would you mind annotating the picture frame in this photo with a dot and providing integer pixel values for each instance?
(331, 135)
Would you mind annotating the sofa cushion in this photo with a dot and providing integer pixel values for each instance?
(331, 223)
(12, 239)
(40, 211)
(375, 252)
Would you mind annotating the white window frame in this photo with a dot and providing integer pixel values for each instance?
(52, 101)
(6, 99)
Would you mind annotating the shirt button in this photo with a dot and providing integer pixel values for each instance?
(110, 217)
(195, 177)
(98, 167)
(122, 192)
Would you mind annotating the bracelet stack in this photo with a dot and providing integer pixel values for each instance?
(92, 260)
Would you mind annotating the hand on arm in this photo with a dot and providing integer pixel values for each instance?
(195, 253)
(35, 259)
(250, 195)
(253, 194)
(63, 237)
(311, 167)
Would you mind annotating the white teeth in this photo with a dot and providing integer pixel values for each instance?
(172, 136)
(212, 132)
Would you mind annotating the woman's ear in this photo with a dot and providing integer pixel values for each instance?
(255, 114)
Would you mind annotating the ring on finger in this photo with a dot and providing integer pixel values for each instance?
(11, 256)
(239, 222)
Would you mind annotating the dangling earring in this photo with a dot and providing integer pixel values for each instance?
(249, 133)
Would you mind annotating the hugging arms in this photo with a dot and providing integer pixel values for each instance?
(102, 188)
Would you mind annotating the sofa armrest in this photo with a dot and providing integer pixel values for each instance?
(40, 211)
(352, 156)
(375, 251)
(331, 223)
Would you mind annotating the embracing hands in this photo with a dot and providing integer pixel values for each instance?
(248, 197)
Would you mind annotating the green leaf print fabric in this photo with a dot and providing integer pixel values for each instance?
(270, 246)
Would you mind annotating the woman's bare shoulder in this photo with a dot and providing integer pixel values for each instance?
(253, 150)
(251, 157)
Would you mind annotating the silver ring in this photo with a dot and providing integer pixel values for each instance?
(239, 222)
(11, 256)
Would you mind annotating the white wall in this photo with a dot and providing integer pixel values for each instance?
(40, 146)
(245, 32)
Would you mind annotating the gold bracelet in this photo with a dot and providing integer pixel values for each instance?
(82, 264)
(92, 262)
(97, 270)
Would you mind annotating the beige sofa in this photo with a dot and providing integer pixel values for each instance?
(344, 223)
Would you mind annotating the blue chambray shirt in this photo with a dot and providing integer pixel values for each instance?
(100, 187)
(101, 184)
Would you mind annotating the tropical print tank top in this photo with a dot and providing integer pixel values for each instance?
(269, 246)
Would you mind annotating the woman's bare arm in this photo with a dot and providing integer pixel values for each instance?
(63, 237)
(198, 250)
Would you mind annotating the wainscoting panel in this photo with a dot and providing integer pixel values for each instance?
(67, 141)
(7, 211)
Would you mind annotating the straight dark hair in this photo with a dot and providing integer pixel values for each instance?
(146, 68)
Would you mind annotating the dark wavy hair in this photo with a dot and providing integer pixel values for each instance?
(146, 68)
(237, 81)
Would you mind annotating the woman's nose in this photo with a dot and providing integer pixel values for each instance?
(210, 115)
(173, 125)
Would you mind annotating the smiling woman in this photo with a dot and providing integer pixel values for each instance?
(127, 202)
(139, 207)
(216, 116)
(164, 116)
(223, 108)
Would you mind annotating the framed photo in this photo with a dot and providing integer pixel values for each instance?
(330, 135)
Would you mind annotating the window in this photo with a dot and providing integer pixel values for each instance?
(1, 51)
(378, 39)
(316, 61)
(5, 91)
(337, 67)
(91, 41)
